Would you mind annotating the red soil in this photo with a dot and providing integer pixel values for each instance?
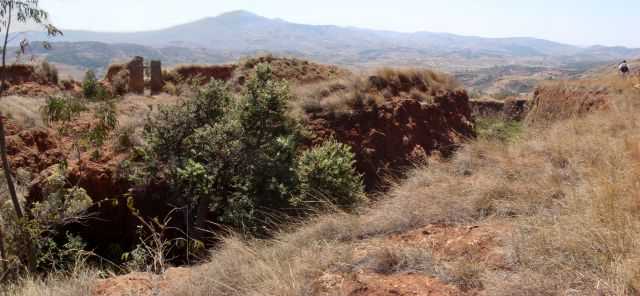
(206, 73)
(385, 138)
(143, 284)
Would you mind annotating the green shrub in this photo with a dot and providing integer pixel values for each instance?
(236, 157)
(61, 108)
(90, 85)
(107, 122)
(327, 172)
(233, 156)
(37, 243)
(167, 131)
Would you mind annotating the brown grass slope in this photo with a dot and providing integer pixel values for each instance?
(563, 199)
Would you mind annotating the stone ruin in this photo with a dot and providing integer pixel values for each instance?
(155, 72)
(136, 69)
(136, 75)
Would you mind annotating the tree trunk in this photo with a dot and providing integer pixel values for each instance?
(3, 252)
(6, 167)
(7, 171)
(199, 232)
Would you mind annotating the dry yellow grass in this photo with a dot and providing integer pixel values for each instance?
(25, 111)
(341, 96)
(570, 190)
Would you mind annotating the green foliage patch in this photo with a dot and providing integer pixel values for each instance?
(498, 129)
(238, 157)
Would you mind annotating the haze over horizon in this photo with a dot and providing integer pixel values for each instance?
(583, 23)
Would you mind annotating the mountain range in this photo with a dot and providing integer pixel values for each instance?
(232, 35)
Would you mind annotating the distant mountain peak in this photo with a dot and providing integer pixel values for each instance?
(239, 14)
(242, 32)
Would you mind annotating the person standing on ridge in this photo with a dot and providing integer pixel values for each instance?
(623, 68)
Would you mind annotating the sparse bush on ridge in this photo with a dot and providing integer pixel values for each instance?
(92, 89)
(46, 73)
(90, 85)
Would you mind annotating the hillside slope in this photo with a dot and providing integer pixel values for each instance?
(550, 211)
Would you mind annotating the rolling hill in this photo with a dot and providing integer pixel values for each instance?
(240, 33)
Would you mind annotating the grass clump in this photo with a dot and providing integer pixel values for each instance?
(495, 128)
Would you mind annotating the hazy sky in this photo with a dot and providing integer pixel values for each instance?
(580, 22)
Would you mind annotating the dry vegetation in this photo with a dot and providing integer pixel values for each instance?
(565, 99)
(568, 190)
(25, 111)
(341, 96)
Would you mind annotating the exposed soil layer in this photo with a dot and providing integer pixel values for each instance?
(33, 150)
(372, 284)
(144, 284)
(389, 137)
(204, 73)
(20, 73)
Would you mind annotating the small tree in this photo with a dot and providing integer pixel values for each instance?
(232, 156)
(90, 85)
(23, 12)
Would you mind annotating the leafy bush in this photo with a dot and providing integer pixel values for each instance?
(107, 122)
(37, 242)
(235, 157)
(167, 131)
(90, 85)
(61, 108)
(327, 171)
(127, 138)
